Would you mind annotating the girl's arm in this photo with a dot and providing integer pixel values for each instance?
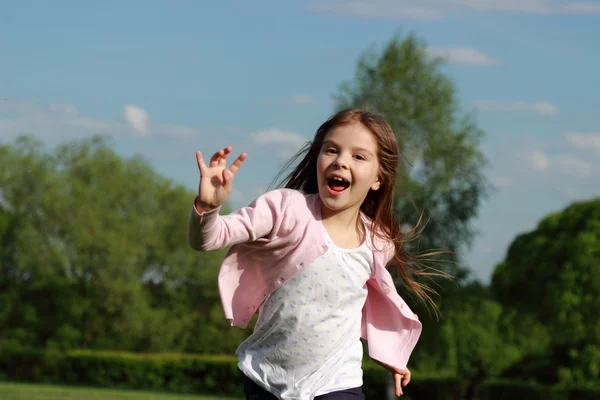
(208, 230)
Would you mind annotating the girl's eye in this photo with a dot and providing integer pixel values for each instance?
(359, 157)
(330, 150)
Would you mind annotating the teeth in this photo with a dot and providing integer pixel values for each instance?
(335, 178)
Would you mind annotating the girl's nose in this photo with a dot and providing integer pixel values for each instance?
(341, 162)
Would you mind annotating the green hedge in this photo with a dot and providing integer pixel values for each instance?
(178, 373)
(510, 389)
(514, 389)
(184, 373)
(160, 372)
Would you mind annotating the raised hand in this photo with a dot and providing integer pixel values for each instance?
(216, 179)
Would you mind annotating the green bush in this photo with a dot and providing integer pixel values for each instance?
(514, 389)
(181, 373)
(161, 372)
(187, 373)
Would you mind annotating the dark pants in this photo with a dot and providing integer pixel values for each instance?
(255, 392)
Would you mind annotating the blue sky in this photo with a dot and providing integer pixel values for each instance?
(164, 79)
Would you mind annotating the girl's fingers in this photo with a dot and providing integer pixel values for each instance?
(237, 163)
(229, 174)
(227, 178)
(398, 384)
(219, 157)
(214, 160)
(223, 159)
(406, 378)
(201, 164)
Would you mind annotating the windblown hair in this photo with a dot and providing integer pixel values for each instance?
(378, 205)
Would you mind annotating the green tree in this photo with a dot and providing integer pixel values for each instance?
(443, 171)
(553, 274)
(479, 338)
(95, 253)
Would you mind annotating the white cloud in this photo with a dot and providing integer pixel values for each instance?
(585, 141)
(562, 165)
(64, 121)
(63, 109)
(536, 7)
(50, 122)
(582, 8)
(539, 160)
(540, 107)
(573, 165)
(137, 118)
(463, 55)
(436, 9)
(381, 9)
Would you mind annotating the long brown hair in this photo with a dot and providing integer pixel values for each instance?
(378, 204)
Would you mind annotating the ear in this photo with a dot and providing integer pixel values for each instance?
(376, 185)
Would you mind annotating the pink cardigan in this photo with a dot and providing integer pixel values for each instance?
(275, 237)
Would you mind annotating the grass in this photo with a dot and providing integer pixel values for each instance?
(27, 391)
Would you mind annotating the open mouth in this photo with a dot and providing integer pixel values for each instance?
(337, 184)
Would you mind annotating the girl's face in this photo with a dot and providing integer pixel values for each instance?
(347, 168)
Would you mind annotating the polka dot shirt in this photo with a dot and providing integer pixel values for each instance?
(307, 338)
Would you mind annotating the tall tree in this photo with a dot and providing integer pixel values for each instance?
(443, 170)
(442, 175)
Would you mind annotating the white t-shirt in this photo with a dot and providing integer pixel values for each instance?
(306, 341)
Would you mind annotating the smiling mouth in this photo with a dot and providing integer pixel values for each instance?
(337, 184)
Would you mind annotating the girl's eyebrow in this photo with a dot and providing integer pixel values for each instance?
(362, 149)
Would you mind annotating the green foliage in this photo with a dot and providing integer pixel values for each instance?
(180, 373)
(520, 389)
(552, 274)
(205, 374)
(506, 389)
(584, 365)
(94, 254)
(478, 339)
(161, 372)
(479, 346)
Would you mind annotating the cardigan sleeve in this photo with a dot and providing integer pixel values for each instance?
(209, 230)
(390, 328)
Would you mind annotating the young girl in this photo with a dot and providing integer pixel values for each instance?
(311, 260)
